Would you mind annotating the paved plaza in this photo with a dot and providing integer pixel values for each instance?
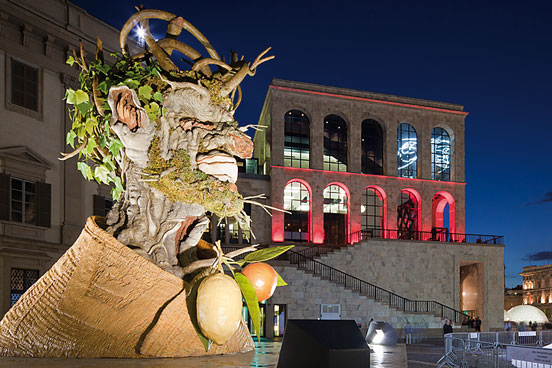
(265, 355)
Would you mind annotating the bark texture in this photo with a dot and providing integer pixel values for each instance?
(101, 299)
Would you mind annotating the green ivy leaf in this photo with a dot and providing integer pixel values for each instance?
(145, 91)
(84, 107)
(108, 162)
(70, 61)
(102, 86)
(90, 146)
(191, 302)
(101, 173)
(280, 281)
(70, 96)
(91, 123)
(119, 184)
(104, 68)
(80, 96)
(262, 255)
(131, 83)
(70, 139)
(115, 146)
(158, 96)
(153, 110)
(103, 141)
(85, 170)
(250, 296)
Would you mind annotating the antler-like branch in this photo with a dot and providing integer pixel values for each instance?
(244, 70)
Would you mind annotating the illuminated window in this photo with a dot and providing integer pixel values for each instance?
(335, 143)
(407, 216)
(372, 147)
(296, 139)
(296, 201)
(371, 208)
(221, 231)
(246, 233)
(440, 154)
(21, 280)
(407, 152)
(336, 208)
(233, 230)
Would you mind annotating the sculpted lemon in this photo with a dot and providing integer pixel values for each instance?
(219, 307)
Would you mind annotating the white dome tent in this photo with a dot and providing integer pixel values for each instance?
(525, 314)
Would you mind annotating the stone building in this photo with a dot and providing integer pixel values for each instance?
(537, 287)
(43, 201)
(379, 180)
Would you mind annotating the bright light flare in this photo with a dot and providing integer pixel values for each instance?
(140, 34)
(379, 337)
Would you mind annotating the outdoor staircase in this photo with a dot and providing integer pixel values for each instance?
(305, 260)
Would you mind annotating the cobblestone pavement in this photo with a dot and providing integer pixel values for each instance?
(265, 355)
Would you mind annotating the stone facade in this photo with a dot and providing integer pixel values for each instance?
(537, 287)
(40, 35)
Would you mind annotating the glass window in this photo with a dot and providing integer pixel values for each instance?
(296, 201)
(24, 85)
(246, 233)
(407, 216)
(233, 230)
(336, 208)
(440, 154)
(20, 281)
(371, 208)
(335, 143)
(296, 139)
(221, 231)
(23, 201)
(335, 200)
(407, 152)
(372, 147)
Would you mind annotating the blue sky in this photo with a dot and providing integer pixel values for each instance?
(494, 58)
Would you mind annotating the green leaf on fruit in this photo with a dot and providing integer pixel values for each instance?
(262, 255)
(191, 302)
(280, 281)
(250, 296)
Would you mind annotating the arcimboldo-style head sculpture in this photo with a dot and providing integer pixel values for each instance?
(163, 138)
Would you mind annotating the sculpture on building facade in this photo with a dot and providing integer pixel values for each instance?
(165, 140)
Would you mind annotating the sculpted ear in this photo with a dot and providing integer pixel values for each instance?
(131, 123)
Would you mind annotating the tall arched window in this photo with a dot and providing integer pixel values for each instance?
(372, 210)
(336, 211)
(296, 201)
(372, 147)
(407, 151)
(443, 217)
(408, 214)
(440, 154)
(296, 139)
(335, 143)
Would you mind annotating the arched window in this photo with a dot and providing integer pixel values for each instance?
(336, 211)
(296, 201)
(440, 154)
(443, 217)
(372, 147)
(296, 139)
(408, 215)
(335, 143)
(373, 213)
(407, 151)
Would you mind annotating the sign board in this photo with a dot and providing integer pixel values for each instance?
(527, 333)
(529, 354)
(330, 311)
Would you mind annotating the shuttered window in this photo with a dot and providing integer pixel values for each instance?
(25, 201)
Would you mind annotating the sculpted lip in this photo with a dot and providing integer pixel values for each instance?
(219, 164)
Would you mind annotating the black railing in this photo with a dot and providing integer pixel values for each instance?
(441, 236)
(310, 265)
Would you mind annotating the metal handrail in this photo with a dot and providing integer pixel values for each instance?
(440, 236)
(375, 292)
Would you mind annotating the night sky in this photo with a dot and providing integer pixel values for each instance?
(494, 59)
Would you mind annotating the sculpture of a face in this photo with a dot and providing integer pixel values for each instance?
(179, 156)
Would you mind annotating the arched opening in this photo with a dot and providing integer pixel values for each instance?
(296, 139)
(408, 215)
(443, 217)
(372, 147)
(440, 154)
(407, 151)
(297, 201)
(373, 211)
(336, 215)
(335, 143)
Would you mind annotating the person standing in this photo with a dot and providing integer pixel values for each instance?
(447, 327)
(477, 324)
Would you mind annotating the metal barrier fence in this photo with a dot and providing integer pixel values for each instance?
(522, 349)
